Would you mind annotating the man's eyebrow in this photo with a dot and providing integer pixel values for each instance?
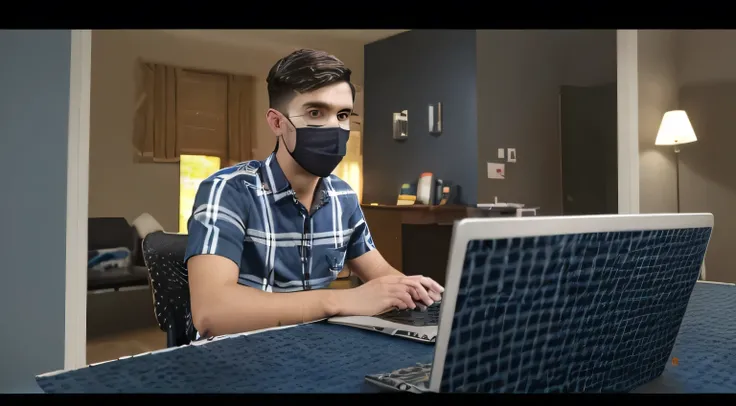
(323, 105)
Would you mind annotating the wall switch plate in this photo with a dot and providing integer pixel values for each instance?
(401, 125)
(512, 155)
(496, 170)
(501, 153)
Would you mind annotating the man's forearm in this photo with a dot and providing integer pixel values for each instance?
(385, 270)
(237, 309)
(372, 265)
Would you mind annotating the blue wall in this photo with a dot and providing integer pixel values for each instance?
(408, 72)
(34, 95)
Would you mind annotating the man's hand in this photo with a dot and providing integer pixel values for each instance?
(381, 294)
(424, 289)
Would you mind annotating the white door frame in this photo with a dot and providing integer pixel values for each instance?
(627, 61)
(78, 173)
(77, 201)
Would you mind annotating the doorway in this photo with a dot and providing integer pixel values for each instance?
(588, 135)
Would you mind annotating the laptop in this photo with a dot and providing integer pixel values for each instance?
(560, 304)
(419, 324)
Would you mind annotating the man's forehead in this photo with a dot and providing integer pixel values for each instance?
(338, 96)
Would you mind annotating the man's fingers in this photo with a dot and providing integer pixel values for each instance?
(401, 291)
(421, 291)
(430, 284)
(402, 301)
(414, 295)
(436, 296)
(398, 303)
(407, 299)
(433, 288)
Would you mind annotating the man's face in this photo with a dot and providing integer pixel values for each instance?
(326, 107)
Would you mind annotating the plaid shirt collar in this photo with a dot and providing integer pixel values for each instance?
(275, 181)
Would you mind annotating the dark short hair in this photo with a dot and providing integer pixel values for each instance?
(304, 71)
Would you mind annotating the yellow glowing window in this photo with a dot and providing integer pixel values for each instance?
(193, 169)
(351, 168)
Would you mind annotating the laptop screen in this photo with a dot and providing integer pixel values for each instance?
(570, 313)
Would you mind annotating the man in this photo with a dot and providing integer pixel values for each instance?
(265, 236)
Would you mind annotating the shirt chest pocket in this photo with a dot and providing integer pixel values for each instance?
(335, 259)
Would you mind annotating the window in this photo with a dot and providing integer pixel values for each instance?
(351, 167)
(189, 112)
(193, 169)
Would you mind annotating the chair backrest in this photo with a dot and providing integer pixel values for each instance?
(163, 254)
(110, 232)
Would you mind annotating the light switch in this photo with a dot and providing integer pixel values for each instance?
(496, 171)
(501, 154)
(512, 155)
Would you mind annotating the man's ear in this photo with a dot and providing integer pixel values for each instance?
(273, 118)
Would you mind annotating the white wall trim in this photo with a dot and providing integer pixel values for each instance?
(628, 120)
(75, 322)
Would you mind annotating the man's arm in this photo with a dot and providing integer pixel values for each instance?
(368, 264)
(362, 257)
(372, 265)
(214, 252)
(221, 306)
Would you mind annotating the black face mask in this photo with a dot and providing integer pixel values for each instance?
(319, 150)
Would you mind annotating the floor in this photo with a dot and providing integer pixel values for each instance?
(113, 346)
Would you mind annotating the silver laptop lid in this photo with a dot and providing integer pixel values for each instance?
(565, 304)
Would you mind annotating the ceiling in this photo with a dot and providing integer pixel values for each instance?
(364, 36)
(281, 38)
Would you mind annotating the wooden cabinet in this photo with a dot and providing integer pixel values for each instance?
(416, 239)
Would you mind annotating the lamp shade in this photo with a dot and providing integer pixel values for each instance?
(675, 129)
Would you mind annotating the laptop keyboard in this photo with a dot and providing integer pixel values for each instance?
(417, 375)
(416, 317)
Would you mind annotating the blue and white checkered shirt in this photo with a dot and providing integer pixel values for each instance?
(249, 214)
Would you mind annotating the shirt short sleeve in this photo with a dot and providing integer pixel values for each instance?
(217, 224)
(360, 239)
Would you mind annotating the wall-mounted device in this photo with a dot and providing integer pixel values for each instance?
(435, 118)
(512, 154)
(401, 125)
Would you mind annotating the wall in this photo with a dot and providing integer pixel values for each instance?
(657, 94)
(519, 78)
(408, 72)
(34, 78)
(706, 67)
(118, 185)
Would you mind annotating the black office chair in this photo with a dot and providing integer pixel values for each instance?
(163, 254)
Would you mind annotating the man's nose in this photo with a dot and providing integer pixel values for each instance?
(333, 121)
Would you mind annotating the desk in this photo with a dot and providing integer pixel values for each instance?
(320, 357)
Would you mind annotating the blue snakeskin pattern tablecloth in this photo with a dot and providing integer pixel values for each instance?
(328, 358)
(706, 346)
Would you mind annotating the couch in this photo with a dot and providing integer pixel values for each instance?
(115, 232)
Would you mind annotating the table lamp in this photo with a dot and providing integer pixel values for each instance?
(675, 130)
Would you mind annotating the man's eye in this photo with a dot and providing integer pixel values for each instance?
(313, 113)
(343, 116)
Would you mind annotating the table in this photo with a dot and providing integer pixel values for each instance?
(330, 358)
